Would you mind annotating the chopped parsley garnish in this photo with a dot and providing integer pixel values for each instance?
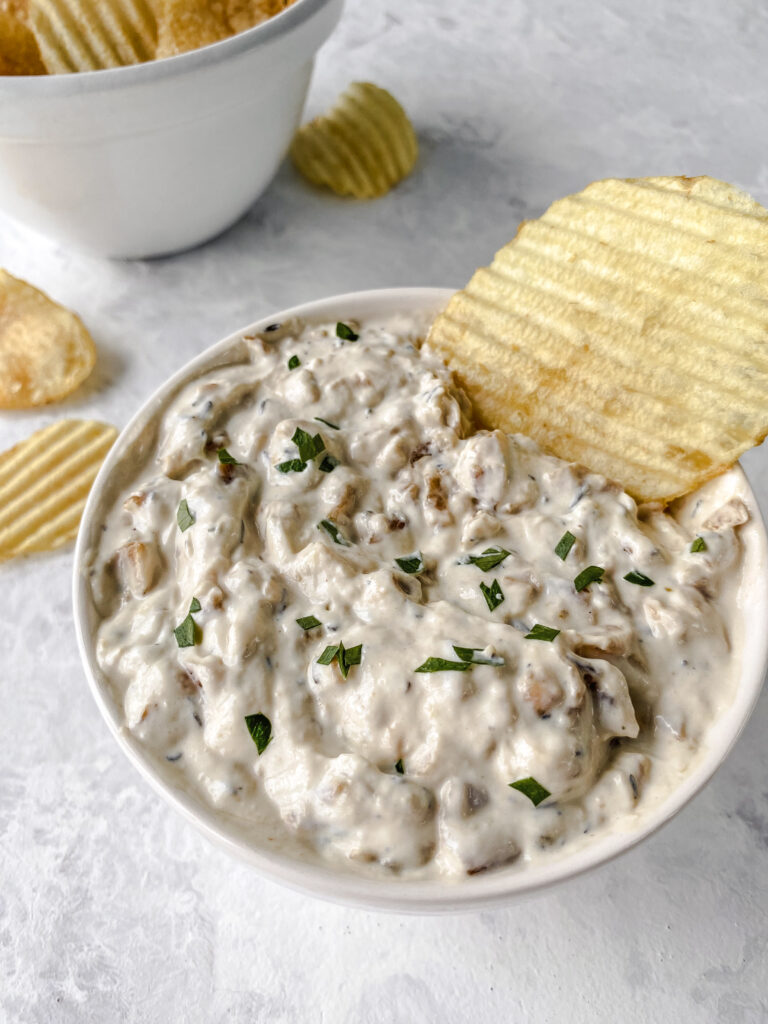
(698, 545)
(564, 545)
(226, 458)
(493, 595)
(399, 767)
(346, 657)
(489, 559)
(349, 657)
(184, 517)
(328, 654)
(334, 533)
(592, 574)
(309, 446)
(185, 632)
(293, 362)
(532, 789)
(260, 728)
(411, 564)
(328, 464)
(443, 665)
(639, 578)
(188, 633)
(292, 466)
(473, 657)
(345, 332)
(308, 622)
(328, 423)
(539, 632)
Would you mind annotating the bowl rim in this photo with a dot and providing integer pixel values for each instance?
(105, 79)
(483, 891)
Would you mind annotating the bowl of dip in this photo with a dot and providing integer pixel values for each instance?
(154, 158)
(390, 660)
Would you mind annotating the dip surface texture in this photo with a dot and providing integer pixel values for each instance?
(466, 618)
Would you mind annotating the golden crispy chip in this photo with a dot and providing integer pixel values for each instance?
(626, 329)
(88, 35)
(19, 54)
(363, 147)
(184, 25)
(44, 483)
(45, 351)
(244, 14)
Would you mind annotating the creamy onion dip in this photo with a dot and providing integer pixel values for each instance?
(498, 657)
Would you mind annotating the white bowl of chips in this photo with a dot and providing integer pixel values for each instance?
(156, 157)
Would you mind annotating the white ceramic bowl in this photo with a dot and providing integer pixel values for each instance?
(482, 890)
(156, 157)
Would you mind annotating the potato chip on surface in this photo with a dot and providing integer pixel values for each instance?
(626, 329)
(362, 147)
(44, 484)
(19, 53)
(89, 35)
(45, 351)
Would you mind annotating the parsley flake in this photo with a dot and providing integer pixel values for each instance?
(308, 622)
(346, 657)
(333, 532)
(592, 574)
(292, 466)
(489, 559)
(309, 446)
(639, 578)
(328, 423)
(411, 564)
(473, 657)
(293, 362)
(532, 789)
(226, 458)
(188, 633)
(328, 654)
(493, 595)
(184, 517)
(400, 767)
(443, 665)
(539, 632)
(345, 332)
(260, 728)
(349, 656)
(328, 464)
(698, 545)
(564, 545)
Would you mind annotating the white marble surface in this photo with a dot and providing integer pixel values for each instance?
(113, 909)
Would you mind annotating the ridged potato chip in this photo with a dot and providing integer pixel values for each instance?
(45, 351)
(362, 147)
(626, 329)
(19, 54)
(44, 484)
(88, 35)
(244, 14)
(184, 25)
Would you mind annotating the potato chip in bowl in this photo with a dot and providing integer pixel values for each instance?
(88, 160)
